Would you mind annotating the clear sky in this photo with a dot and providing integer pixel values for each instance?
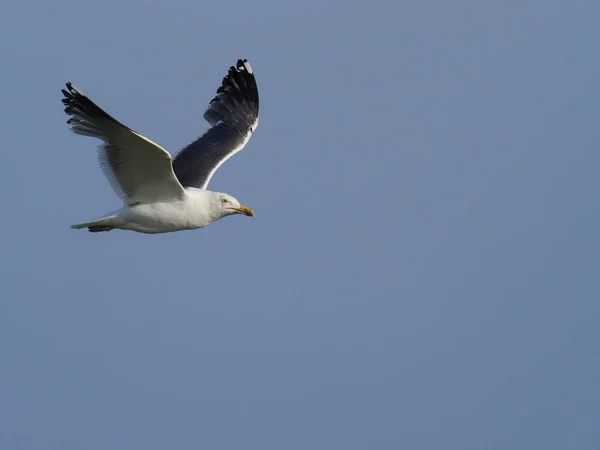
(422, 269)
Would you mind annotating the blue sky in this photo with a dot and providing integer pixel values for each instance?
(421, 271)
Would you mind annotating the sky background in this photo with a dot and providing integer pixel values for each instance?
(422, 270)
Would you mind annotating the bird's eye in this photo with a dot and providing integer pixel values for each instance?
(224, 200)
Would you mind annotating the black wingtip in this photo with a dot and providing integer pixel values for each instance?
(70, 94)
(73, 90)
(243, 65)
(236, 98)
(69, 90)
(77, 103)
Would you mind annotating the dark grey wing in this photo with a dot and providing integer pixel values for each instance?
(233, 114)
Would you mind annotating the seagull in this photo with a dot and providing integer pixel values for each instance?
(161, 194)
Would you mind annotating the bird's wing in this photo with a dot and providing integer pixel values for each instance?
(233, 114)
(138, 170)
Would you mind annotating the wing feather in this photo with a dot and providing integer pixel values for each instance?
(233, 114)
(139, 170)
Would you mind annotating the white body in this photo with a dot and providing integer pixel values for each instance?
(189, 213)
(196, 209)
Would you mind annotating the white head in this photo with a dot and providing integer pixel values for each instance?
(222, 205)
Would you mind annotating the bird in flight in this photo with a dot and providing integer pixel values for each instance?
(161, 194)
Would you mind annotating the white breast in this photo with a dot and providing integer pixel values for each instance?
(162, 217)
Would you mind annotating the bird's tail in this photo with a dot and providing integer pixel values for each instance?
(104, 224)
(237, 97)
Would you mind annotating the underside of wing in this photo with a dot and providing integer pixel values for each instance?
(233, 114)
(139, 170)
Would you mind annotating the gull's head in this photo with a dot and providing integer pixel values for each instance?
(227, 205)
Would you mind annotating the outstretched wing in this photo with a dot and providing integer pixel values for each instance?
(138, 170)
(233, 114)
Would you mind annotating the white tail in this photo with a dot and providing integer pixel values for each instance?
(104, 224)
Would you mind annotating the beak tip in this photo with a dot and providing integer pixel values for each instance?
(247, 211)
(243, 210)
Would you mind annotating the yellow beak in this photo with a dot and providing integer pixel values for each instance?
(243, 210)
